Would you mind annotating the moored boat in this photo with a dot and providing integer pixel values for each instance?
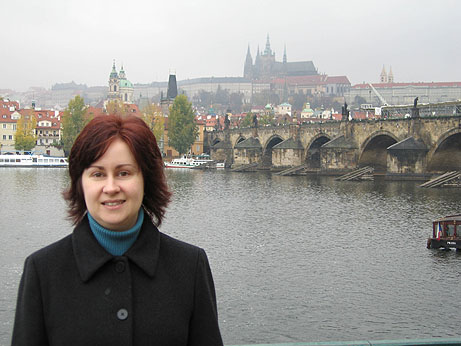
(446, 233)
(191, 162)
(32, 160)
(186, 162)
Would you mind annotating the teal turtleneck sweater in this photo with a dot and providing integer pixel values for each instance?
(116, 243)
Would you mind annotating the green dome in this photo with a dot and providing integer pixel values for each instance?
(307, 108)
(125, 83)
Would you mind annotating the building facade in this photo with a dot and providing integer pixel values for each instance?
(8, 118)
(404, 93)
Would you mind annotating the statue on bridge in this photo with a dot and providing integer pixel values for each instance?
(255, 120)
(345, 112)
(415, 110)
(226, 122)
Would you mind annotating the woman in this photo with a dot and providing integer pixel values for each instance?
(116, 280)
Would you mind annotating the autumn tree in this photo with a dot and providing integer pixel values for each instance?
(153, 117)
(182, 129)
(25, 137)
(248, 120)
(73, 122)
(267, 119)
(116, 107)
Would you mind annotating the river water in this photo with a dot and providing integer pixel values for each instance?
(294, 258)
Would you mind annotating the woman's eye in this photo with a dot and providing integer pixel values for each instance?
(97, 174)
(124, 174)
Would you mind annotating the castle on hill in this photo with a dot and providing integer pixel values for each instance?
(265, 67)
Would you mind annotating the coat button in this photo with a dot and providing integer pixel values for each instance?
(122, 314)
(120, 267)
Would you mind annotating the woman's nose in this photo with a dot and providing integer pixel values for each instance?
(111, 186)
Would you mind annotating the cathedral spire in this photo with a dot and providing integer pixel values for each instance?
(248, 67)
(268, 50)
(285, 54)
(249, 58)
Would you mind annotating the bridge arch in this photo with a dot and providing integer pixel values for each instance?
(446, 153)
(373, 151)
(266, 161)
(312, 153)
(239, 139)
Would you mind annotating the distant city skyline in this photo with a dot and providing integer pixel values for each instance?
(54, 41)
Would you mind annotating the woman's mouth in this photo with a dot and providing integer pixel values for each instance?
(112, 203)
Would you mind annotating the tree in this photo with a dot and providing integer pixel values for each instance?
(153, 117)
(25, 137)
(267, 119)
(116, 107)
(182, 129)
(73, 122)
(248, 120)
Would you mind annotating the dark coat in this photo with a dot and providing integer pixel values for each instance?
(73, 292)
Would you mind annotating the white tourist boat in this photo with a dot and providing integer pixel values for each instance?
(186, 162)
(32, 160)
(191, 162)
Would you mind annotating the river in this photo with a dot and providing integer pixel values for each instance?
(294, 258)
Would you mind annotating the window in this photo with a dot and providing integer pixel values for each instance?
(4, 126)
(10, 137)
(451, 231)
(4, 116)
(4, 137)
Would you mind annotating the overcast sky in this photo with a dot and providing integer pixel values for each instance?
(54, 41)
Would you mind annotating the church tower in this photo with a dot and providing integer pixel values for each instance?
(248, 67)
(390, 76)
(126, 87)
(267, 61)
(113, 84)
(119, 87)
(268, 50)
(383, 76)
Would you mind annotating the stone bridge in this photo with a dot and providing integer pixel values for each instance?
(413, 147)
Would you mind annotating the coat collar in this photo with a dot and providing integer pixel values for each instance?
(91, 256)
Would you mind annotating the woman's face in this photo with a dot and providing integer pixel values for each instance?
(113, 187)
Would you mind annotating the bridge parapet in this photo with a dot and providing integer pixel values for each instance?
(371, 139)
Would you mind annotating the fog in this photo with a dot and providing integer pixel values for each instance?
(53, 41)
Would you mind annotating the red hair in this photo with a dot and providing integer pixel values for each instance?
(93, 142)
